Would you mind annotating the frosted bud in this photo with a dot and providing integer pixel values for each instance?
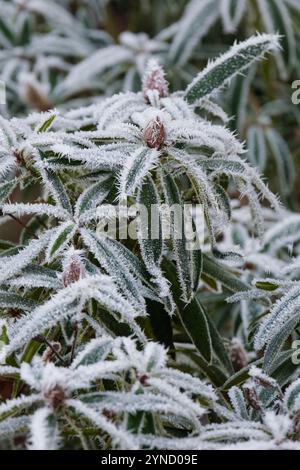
(154, 80)
(34, 94)
(238, 355)
(73, 268)
(55, 396)
(155, 134)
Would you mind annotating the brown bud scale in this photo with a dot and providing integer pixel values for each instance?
(154, 134)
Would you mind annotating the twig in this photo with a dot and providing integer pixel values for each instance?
(42, 339)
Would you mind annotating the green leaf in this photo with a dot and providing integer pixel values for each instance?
(278, 340)
(221, 273)
(110, 323)
(93, 195)
(46, 124)
(188, 260)
(282, 368)
(197, 20)
(283, 160)
(218, 346)
(276, 19)
(192, 317)
(117, 261)
(292, 397)
(11, 300)
(151, 242)
(58, 190)
(60, 240)
(223, 69)
(161, 324)
(7, 188)
(136, 168)
(196, 325)
(256, 144)
(238, 402)
(241, 376)
(266, 285)
(7, 32)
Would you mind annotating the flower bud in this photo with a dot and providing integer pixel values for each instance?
(73, 268)
(55, 396)
(154, 80)
(33, 93)
(155, 134)
(238, 355)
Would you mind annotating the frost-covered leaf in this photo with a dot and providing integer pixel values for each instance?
(238, 402)
(57, 189)
(43, 431)
(112, 256)
(276, 19)
(60, 240)
(282, 312)
(196, 22)
(136, 168)
(12, 265)
(46, 124)
(65, 304)
(188, 259)
(7, 188)
(232, 12)
(256, 144)
(283, 159)
(93, 196)
(236, 60)
(150, 234)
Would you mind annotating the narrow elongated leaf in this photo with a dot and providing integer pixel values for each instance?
(60, 239)
(12, 265)
(46, 124)
(238, 402)
(58, 190)
(136, 168)
(278, 339)
(44, 430)
(219, 272)
(111, 257)
(276, 19)
(150, 233)
(93, 195)
(192, 317)
(7, 188)
(256, 144)
(218, 345)
(188, 261)
(151, 242)
(95, 351)
(196, 22)
(232, 12)
(11, 300)
(283, 159)
(63, 305)
(292, 397)
(282, 311)
(196, 325)
(237, 59)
